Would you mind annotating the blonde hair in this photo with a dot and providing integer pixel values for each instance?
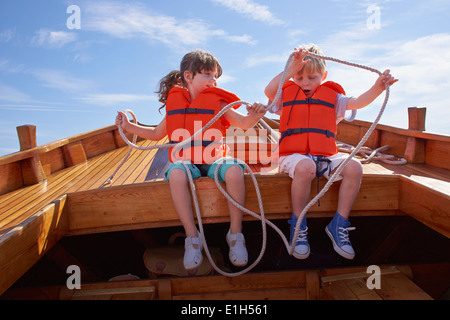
(194, 62)
(316, 64)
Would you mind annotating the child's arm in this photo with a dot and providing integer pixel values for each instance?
(369, 96)
(150, 133)
(295, 66)
(255, 113)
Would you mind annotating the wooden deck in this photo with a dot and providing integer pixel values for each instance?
(329, 284)
(72, 199)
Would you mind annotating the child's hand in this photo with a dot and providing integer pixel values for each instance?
(257, 109)
(122, 119)
(385, 78)
(298, 61)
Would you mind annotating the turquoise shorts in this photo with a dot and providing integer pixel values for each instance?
(206, 170)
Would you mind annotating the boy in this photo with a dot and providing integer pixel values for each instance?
(310, 111)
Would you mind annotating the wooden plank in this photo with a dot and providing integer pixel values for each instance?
(135, 165)
(98, 144)
(398, 287)
(246, 282)
(52, 161)
(120, 290)
(338, 290)
(138, 293)
(165, 289)
(437, 153)
(10, 177)
(394, 285)
(312, 285)
(360, 289)
(270, 285)
(356, 275)
(24, 204)
(151, 204)
(24, 245)
(261, 294)
(398, 131)
(426, 205)
(17, 209)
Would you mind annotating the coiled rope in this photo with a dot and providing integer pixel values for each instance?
(264, 221)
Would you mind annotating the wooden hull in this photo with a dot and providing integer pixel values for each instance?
(56, 191)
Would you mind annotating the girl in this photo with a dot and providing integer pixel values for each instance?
(192, 99)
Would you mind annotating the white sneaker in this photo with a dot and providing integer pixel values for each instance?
(193, 257)
(238, 253)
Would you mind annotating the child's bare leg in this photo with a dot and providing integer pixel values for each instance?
(234, 179)
(348, 191)
(305, 172)
(179, 188)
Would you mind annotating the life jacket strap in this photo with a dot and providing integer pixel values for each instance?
(196, 143)
(190, 111)
(290, 132)
(308, 101)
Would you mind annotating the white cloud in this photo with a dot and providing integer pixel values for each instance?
(53, 39)
(422, 66)
(7, 35)
(251, 9)
(62, 81)
(127, 21)
(8, 93)
(243, 39)
(225, 79)
(116, 99)
(259, 59)
(7, 67)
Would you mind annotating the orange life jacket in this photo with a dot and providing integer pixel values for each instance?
(185, 117)
(308, 125)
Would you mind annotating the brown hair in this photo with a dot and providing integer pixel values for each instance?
(194, 62)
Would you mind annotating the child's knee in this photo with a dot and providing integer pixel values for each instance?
(305, 169)
(234, 174)
(177, 176)
(353, 169)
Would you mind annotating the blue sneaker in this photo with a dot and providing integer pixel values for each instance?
(338, 230)
(301, 250)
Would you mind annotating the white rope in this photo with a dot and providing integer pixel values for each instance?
(370, 155)
(264, 221)
(109, 181)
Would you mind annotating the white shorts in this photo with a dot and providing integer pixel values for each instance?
(288, 163)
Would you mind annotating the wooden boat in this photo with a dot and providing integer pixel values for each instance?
(55, 211)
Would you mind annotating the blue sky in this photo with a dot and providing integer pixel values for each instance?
(68, 81)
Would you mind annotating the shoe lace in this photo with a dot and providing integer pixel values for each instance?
(343, 234)
(302, 235)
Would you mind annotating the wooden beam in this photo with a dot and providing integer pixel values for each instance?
(426, 205)
(74, 154)
(416, 118)
(150, 204)
(415, 150)
(24, 245)
(32, 170)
